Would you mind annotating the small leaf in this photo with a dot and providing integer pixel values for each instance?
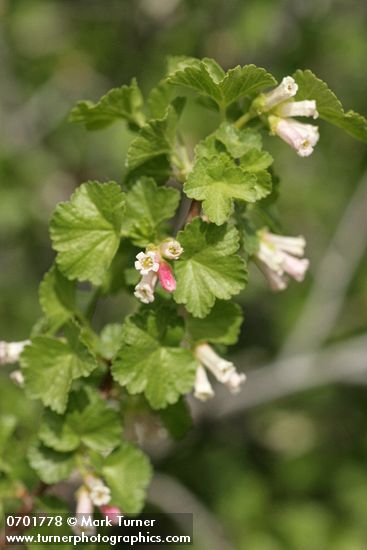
(329, 106)
(123, 103)
(206, 78)
(255, 160)
(217, 181)
(88, 420)
(110, 340)
(86, 231)
(238, 142)
(177, 419)
(127, 472)
(150, 359)
(245, 81)
(147, 208)
(221, 326)
(155, 140)
(51, 466)
(50, 366)
(208, 268)
(57, 298)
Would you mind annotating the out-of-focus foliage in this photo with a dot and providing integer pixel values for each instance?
(287, 476)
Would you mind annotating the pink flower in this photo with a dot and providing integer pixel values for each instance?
(279, 257)
(166, 277)
(301, 137)
(111, 513)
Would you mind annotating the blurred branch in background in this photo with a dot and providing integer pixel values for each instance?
(332, 277)
(170, 496)
(341, 362)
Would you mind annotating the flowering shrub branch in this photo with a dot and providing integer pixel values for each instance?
(120, 238)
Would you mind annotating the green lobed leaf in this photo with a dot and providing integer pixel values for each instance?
(245, 81)
(155, 140)
(57, 298)
(177, 419)
(88, 420)
(110, 340)
(328, 105)
(163, 94)
(147, 208)
(206, 78)
(124, 103)
(208, 268)
(86, 230)
(51, 466)
(50, 366)
(221, 326)
(150, 359)
(256, 160)
(127, 472)
(238, 141)
(217, 181)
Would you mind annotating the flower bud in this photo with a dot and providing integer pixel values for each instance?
(111, 513)
(166, 277)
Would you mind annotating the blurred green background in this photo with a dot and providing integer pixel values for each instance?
(289, 473)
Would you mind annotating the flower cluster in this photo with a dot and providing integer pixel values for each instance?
(280, 106)
(152, 266)
(224, 371)
(279, 257)
(93, 493)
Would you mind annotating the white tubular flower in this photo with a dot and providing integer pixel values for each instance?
(235, 382)
(144, 290)
(298, 108)
(203, 389)
(11, 351)
(301, 137)
(84, 507)
(171, 249)
(147, 262)
(221, 368)
(280, 256)
(286, 89)
(224, 371)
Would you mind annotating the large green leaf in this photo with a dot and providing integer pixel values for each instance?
(50, 366)
(150, 359)
(205, 78)
(127, 472)
(221, 326)
(57, 298)
(329, 106)
(124, 103)
(217, 181)
(147, 208)
(51, 466)
(208, 268)
(86, 230)
(88, 420)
